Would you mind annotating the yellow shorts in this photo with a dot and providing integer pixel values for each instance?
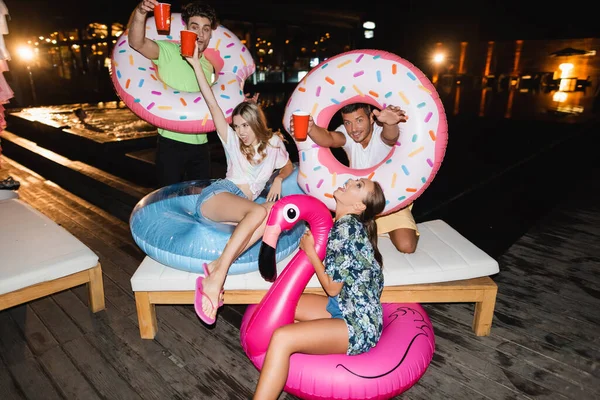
(396, 220)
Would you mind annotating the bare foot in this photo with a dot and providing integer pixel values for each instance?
(212, 289)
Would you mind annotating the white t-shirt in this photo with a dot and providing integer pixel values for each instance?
(360, 157)
(241, 171)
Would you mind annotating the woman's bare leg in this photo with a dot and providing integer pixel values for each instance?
(320, 336)
(404, 239)
(311, 306)
(258, 234)
(250, 218)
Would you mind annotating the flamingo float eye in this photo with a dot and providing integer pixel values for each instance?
(291, 213)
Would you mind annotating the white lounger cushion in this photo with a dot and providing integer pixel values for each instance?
(8, 194)
(34, 249)
(442, 255)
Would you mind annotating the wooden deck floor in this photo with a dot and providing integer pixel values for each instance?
(545, 341)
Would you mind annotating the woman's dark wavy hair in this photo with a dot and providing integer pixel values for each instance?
(374, 205)
(199, 9)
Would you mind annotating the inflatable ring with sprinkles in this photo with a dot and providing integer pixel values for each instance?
(379, 78)
(136, 81)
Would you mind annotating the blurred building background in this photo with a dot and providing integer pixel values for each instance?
(61, 51)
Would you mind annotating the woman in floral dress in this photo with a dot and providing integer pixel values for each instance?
(350, 319)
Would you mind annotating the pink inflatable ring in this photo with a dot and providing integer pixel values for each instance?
(395, 364)
(378, 78)
(399, 360)
(137, 82)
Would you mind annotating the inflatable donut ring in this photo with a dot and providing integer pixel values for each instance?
(380, 79)
(164, 226)
(136, 81)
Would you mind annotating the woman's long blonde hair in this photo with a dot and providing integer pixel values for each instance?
(255, 117)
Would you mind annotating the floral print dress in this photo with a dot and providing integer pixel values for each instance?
(350, 259)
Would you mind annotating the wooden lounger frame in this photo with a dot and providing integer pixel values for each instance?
(92, 277)
(481, 291)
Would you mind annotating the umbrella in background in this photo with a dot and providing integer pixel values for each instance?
(569, 51)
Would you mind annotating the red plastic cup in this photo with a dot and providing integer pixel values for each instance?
(162, 17)
(188, 42)
(300, 124)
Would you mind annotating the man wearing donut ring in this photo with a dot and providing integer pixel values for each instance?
(367, 136)
(179, 156)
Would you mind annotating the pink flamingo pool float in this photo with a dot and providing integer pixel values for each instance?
(397, 362)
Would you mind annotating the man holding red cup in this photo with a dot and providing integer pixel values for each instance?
(179, 156)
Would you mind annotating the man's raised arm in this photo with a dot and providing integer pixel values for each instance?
(390, 117)
(137, 30)
(321, 136)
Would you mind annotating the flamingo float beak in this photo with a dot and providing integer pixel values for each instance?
(267, 263)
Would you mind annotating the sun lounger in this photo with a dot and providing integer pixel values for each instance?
(38, 257)
(445, 268)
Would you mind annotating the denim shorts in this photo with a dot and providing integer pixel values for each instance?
(218, 186)
(333, 308)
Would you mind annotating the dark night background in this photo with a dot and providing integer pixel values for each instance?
(412, 19)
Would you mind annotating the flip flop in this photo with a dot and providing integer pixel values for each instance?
(198, 302)
(207, 273)
(9, 184)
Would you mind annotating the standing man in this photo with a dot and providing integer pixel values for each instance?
(179, 156)
(366, 142)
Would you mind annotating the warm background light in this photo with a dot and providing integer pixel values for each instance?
(559, 97)
(566, 69)
(25, 53)
(439, 58)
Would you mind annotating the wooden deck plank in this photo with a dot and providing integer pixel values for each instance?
(170, 369)
(37, 335)
(540, 344)
(24, 367)
(497, 359)
(78, 310)
(442, 386)
(56, 320)
(472, 381)
(98, 371)
(8, 387)
(33, 381)
(539, 299)
(550, 320)
(132, 368)
(66, 375)
(478, 359)
(119, 325)
(425, 391)
(217, 348)
(190, 355)
(575, 287)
